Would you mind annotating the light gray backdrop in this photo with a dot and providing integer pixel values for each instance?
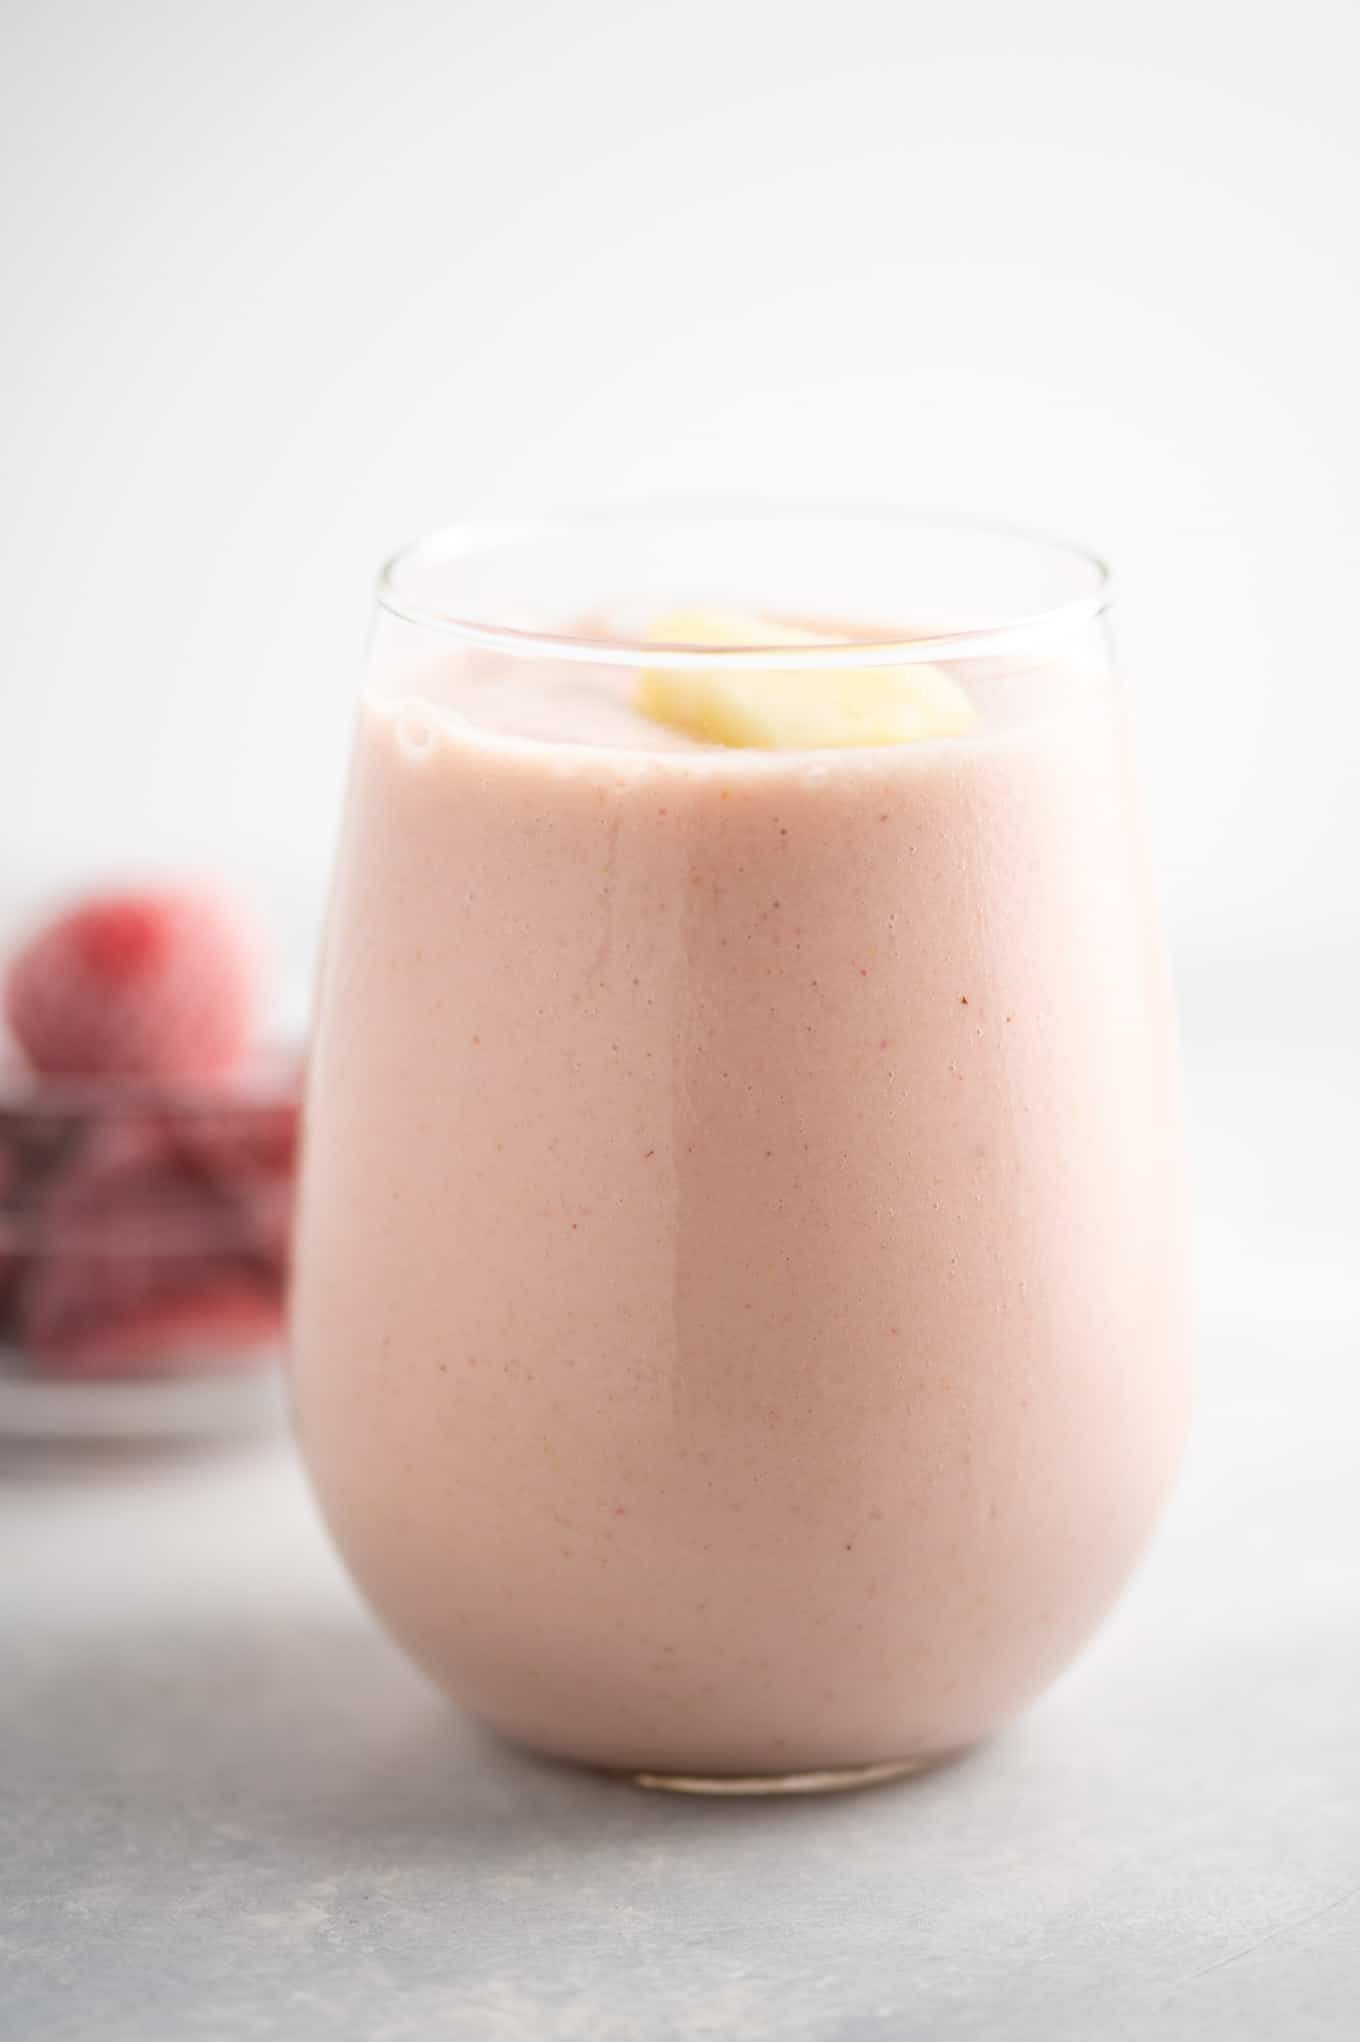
(289, 280)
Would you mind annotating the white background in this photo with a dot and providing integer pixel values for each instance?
(291, 280)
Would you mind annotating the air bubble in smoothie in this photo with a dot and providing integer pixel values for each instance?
(415, 730)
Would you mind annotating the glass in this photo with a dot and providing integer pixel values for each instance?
(739, 1308)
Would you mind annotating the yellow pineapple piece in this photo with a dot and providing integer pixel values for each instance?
(784, 709)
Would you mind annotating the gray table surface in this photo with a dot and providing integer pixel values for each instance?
(228, 1809)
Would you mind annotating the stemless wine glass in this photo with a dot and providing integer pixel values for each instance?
(739, 1316)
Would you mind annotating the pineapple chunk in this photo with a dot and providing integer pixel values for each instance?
(787, 709)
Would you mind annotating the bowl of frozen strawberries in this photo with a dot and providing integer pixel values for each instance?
(148, 1138)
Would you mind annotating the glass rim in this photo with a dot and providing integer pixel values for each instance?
(471, 538)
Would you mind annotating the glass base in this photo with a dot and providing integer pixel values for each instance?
(838, 1780)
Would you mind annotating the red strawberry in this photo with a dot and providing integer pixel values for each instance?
(128, 1190)
(242, 1139)
(140, 1266)
(9, 1188)
(99, 1315)
(156, 985)
(250, 1154)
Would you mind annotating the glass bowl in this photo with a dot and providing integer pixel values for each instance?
(144, 1235)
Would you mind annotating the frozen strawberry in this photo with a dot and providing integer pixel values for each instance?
(34, 1147)
(121, 1315)
(249, 1153)
(128, 1189)
(10, 1180)
(139, 1264)
(149, 985)
(38, 1139)
(243, 1140)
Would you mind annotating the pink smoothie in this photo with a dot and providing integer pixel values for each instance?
(739, 1311)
